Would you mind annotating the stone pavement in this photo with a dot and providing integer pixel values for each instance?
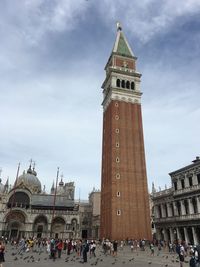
(124, 258)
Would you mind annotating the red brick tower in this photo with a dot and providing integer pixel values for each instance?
(124, 194)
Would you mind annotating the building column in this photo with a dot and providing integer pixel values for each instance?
(195, 238)
(187, 184)
(182, 208)
(175, 209)
(163, 211)
(178, 234)
(190, 205)
(171, 230)
(198, 204)
(169, 210)
(166, 238)
(194, 179)
(186, 235)
(158, 234)
(156, 212)
(179, 185)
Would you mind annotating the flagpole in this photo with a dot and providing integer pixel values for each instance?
(15, 184)
(54, 200)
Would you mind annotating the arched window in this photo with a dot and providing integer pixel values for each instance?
(128, 85)
(19, 199)
(118, 82)
(132, 85)
(123, 84)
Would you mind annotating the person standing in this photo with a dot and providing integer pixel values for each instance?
(182, 255)
(2, 250)
(59, 247)
(85, 251)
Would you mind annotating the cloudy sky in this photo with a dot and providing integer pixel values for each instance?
(52, 59)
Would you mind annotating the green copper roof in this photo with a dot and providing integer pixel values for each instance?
(122, 47)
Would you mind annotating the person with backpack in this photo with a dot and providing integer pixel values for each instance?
(193, 261)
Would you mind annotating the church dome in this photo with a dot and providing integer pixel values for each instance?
(30, 180)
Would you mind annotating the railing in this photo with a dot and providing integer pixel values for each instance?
(187, 190)
(186, 217)
(163, 192)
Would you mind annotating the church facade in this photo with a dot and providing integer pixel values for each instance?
(28, 211)
(124, 193)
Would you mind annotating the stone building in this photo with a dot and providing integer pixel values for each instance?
(124, 193)
(27, 210)
(177, 209)
(95, 202)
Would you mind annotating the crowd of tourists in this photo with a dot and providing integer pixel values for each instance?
(55, 247)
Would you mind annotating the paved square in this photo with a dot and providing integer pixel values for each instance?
(124, 258)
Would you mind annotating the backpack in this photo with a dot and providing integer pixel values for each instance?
(178, 249)
(192, 262)
(86, 247)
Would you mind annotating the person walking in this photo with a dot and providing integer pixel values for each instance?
(2, 250)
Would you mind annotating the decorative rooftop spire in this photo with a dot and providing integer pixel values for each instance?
(61, 180)
(119, 26)
(121, 46)
(34, 172)
(52, 188)
(153, 188)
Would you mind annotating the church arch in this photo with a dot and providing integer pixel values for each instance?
(123, 84)
(15, 224)
(19, 199)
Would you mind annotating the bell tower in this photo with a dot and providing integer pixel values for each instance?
(124, 193)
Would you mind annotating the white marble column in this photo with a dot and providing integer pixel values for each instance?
(169, 210)
(163, 211)
(186, 235)
(178, 234)
(172, 237)
(187, 182)
(175, 209)
(179, 186)
(190, 206)
(198, 204)
(156, 212)
(195, 180)
(182, 208)
(195, 238)
(158, 234)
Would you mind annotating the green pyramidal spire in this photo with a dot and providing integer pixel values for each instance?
(121, 45)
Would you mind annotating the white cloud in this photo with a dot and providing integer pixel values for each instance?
(144, 19)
